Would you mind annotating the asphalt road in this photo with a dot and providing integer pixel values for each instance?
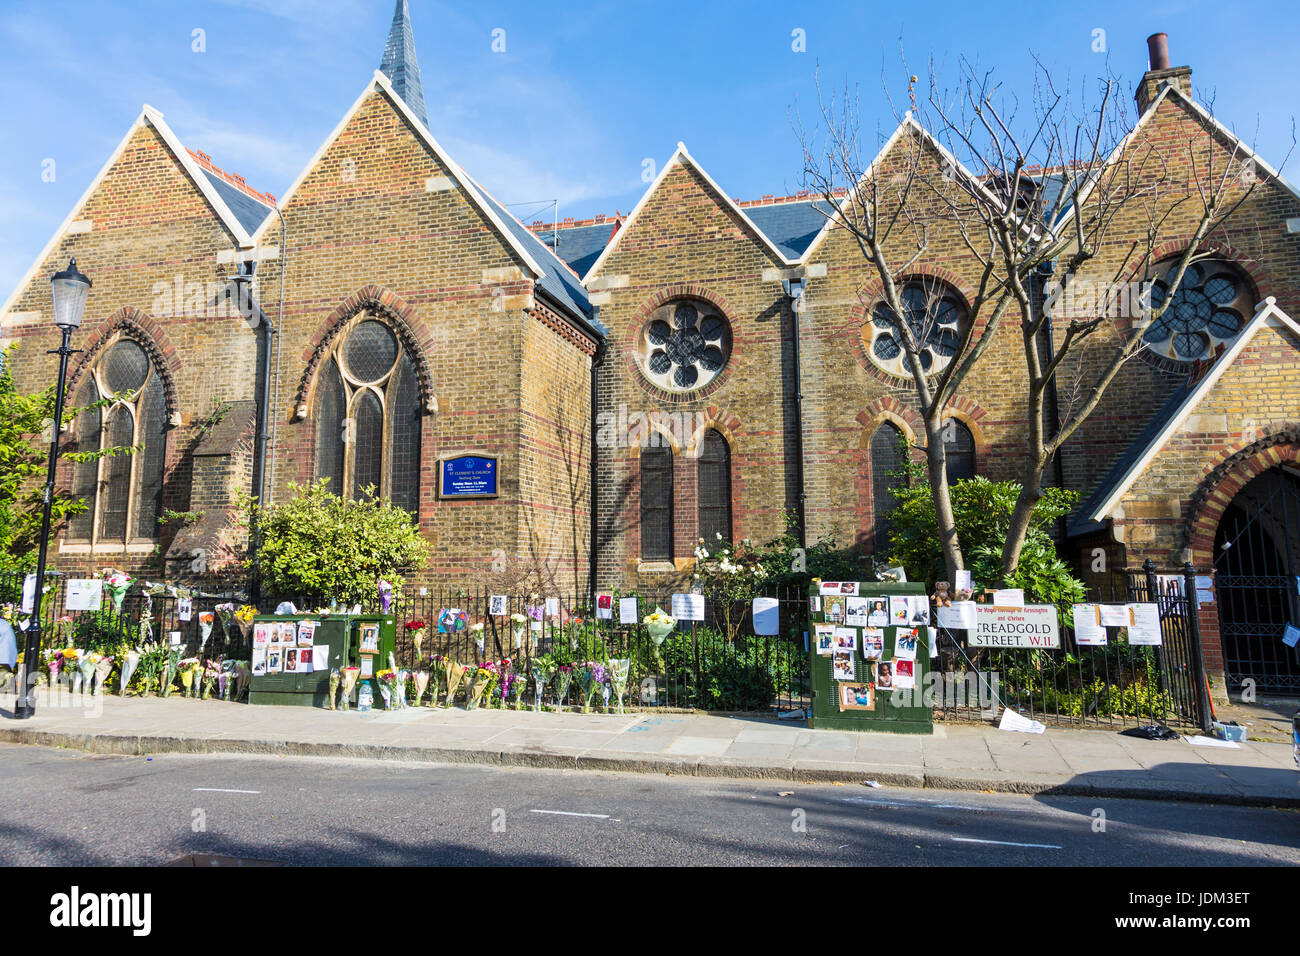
(99, 810)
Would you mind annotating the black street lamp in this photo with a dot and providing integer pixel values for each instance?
(69, 289)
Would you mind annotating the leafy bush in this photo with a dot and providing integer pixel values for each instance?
(319, 547)
(982, 510)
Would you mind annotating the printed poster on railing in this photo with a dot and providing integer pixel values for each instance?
(83, 594)
(1144, 625)
(688, 607)
(1031, 626)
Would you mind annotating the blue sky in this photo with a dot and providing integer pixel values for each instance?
(582, 95)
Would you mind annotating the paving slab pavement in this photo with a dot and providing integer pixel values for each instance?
(956, 756)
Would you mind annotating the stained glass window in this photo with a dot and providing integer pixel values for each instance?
(936, 316)
(684, 345)
(656, 503)
(1208, 309)
(122, 492)
(886, 459)
(368, 416)
(715, 488)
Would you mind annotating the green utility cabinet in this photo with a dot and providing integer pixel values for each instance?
(843, 704)
(342, 634)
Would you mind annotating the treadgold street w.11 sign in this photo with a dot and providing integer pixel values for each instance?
(1032, 626)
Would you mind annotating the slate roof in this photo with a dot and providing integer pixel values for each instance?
(246, 209)
(791, 226)
(400, 64)
(1079, 522)
(557, 280)
(580, 246)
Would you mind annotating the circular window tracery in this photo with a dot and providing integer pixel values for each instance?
(933, 311)
(684, 345)
(1210, 307)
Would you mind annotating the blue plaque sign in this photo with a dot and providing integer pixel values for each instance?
(468, 476)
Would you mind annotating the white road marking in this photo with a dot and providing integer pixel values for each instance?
(567, 813)
(1036, 846)
(219, 790)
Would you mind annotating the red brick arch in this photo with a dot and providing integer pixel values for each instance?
(1220, 485)
(129, 322)
(414, 335)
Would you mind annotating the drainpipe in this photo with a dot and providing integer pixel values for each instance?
(794, 289)
(597, 360)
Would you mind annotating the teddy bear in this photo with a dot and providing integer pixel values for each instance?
(942, 594)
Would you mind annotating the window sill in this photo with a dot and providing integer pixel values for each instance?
(85, 547)
(656, 567)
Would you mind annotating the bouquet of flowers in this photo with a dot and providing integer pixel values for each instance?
(240, 675)
(102, 667)
(590, 678)
(205, 627)
(350, 675)
(226, 612)
(225, 679)
(543, 670)
(417, 630)
(421, 680)
(335, 677)
(513, 688)
(563, 678)
(517, 624)
(453, 674)
(117, 583)
(129, 664)
(211, 677)
(480, 681)
(86, 665)
(55, 665)
(659, 625)
(189, 670)
(169, 671)
(244, 619)
(388, 687)
(619, 669)
(385, 595)
(476, 630)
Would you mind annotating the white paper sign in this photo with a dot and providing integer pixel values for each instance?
(963, 581)
(497, 605)
(1114, 615)
(839, 587)
(29, 593)
(959, 616)
(320, 657)
(628, 611)
(1144, 625)
(553, 607)
(604, 607)
(185, 609)
(1088, 631)
(83, 594)
(1032, 626)
(174, 637)
(1009, 597)
(688, 607)
(767, 616)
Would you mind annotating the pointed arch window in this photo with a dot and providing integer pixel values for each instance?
(886, 459)
(123, 492)
(657, 503)
(959, 450)
(368, 416)
(715, 487)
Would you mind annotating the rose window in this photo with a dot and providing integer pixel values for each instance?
(685, 345)
(935, 314)
(1208, 310)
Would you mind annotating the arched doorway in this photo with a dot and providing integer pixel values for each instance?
(1257, 580)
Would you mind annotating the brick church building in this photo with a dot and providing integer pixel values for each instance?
(649, 364)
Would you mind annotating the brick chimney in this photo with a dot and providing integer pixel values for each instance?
(1160, 71)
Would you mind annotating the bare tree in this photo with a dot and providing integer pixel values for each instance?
(1036, 204)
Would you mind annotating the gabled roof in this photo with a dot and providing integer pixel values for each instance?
(682, 157)
(250, 212)
(557, 279)
(153, 118)
(552, 276)
(1165, 423)
(792, 226)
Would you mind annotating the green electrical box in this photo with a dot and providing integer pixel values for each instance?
(870, 648)
(280, 642)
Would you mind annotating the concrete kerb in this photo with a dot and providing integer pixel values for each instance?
(795, 771)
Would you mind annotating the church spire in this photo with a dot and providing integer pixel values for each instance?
(400, 65)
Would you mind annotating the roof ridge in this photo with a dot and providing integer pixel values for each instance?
(234, 179)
